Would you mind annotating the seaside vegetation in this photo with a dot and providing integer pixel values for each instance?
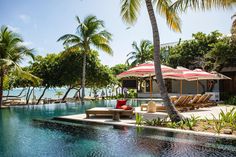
(65, 69)
(225, 123)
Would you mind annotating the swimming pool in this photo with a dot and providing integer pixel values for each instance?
(21, 137)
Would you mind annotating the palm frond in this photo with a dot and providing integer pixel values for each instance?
(105, 47)
(183, 5)
(68, 36)
(106, 34)
(6, 62)
(131, 53)
(172, 19)
(130, 10)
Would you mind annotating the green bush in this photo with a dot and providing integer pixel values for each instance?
(231, 100)
(155, 122)
(139, 119)
(132, 93)
(228, 116)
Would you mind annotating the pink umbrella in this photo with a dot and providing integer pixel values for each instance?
(144, 70)
(182, 73)
(179, 74)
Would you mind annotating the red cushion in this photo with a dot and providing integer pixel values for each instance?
(126, 107)
(120, 103)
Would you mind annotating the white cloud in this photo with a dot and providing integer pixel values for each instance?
(14, 29)
(25, 18)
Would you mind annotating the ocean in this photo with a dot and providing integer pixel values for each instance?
(50, 93)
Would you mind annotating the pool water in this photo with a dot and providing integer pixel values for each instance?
(20, 136)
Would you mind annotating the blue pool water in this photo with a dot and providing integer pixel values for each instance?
(22, 137)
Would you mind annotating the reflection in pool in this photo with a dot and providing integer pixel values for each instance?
(20, 136)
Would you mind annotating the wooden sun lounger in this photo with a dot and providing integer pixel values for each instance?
(202, 98)
(203, 101)
(104, 111)
(206, 102)
(180, 100)
(187, 103)
(161, 108)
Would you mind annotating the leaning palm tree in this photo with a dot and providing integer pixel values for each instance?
(89, 33)
(141, 53)
(130, 11)
(12, 52)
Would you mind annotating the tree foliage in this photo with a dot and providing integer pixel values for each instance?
(12, 52)
(119, 68)
(89, 32)
(207, 51)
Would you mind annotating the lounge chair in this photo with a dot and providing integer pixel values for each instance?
(195, 98)
(179, 104)
(186, 105)
(206, 102)
(104, 111)
(203, 97)
(201, 101)
(180, 101)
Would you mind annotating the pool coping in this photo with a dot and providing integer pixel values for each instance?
(200, 133)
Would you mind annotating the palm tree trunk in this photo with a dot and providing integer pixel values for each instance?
(1, 86)
(171, 110)
(42, 95)
(83, 78)
(28, 98)
(27, 94)
(67, 92)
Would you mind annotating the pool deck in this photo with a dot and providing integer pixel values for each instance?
(203, 113)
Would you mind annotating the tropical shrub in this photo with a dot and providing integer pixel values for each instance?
(172, 125)
(155, 122)
(228, 116)
(231, 100)
(132, 93)
(139, 119)
(191, 122)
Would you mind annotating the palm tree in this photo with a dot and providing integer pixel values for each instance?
(130, 11)
(89, 33)
(141, 53)
(12, 52)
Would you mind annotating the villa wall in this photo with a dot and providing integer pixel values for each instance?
(188, 87)
(229, 86)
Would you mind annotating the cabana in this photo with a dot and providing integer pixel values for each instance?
(145, 73)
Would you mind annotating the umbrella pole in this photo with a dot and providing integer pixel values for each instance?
(197, 86)
(180, 87)
(150, 87)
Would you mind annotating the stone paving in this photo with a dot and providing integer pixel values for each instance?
(202, 113)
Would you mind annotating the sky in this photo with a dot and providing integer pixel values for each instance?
(42, 22)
